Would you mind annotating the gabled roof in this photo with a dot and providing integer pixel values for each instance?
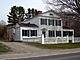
(44, 16)
(50, 11)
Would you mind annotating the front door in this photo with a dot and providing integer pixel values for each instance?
(43, 32)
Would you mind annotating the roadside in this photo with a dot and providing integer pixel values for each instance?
(21, 50)
(19, 47)
(3, 48)
(56, 46)
(29, 55)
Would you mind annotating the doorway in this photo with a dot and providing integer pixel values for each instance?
(43, 32)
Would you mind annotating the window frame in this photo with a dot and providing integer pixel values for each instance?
(51, 33)
(50, 22)
(29, 33)
(25, 32)
(58, 22)
(43, 21)
(69, 33)
(33, 32)
(58, 33)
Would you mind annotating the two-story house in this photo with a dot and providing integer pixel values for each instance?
(46, 28)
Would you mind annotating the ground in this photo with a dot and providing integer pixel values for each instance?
(73, 56)
(21, 50)
(19, 47)
(56, 46)
(3, 48)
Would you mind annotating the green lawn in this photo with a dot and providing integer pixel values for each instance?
(56, 46)
(3, 48)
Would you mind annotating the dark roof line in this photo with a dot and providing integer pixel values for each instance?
(28, 25)
(24, 25)
(64, 27)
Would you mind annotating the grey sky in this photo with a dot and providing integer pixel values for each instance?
(5, 6)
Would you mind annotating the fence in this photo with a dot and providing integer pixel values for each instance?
(50, 40)
(76, 39)
(32, 39)
(56, 40)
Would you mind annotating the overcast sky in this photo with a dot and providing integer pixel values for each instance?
(5, 6)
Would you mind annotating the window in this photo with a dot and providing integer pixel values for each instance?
(25, 32)
(51, 33)
(65, 33)
(33, 32)
(58, 22)
(43, 21)
(29, 33)
(50, 14)
(51, 22)
(58, 33)
(69, 33)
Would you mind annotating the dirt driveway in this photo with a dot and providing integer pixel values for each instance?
(19, 47)
(20, 50)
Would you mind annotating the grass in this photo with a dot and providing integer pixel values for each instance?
(3, 48)
(56, 46)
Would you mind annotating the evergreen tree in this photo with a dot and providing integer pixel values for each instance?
(16, 15)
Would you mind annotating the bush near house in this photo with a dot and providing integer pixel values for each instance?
(56, 46)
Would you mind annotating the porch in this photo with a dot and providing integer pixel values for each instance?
(49, 37)
(54, 40)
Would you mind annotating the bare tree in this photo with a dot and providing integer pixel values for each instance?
(3, 30)
(72, 5)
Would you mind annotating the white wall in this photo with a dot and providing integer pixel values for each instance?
(37, 21)
(27, 28)
(49, 27)
(56, 40)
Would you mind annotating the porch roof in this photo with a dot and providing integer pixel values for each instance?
(64, 27)
(23, 25)
(28, 25)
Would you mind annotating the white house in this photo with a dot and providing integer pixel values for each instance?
(46, 28)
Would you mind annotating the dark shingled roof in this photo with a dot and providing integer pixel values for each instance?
(28, 25)
(24, 25)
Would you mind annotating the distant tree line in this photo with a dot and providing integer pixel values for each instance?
(32, 13)
(3, 30)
